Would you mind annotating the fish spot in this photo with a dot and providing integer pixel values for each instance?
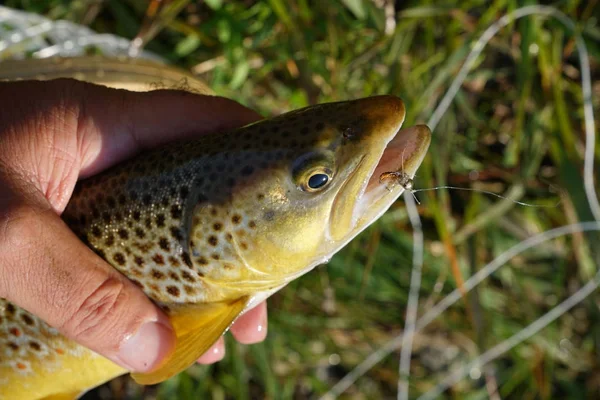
(110, 240)
(213, 241)
(229, 237)
(61, 351)
(217, 226)
(21, 366)
(260, 196)
(27, 319)
(123, 234)
(147, 199)
(174, 262)
(122, 199)
(148, 223)
(252, 224)
(13, 346)
(15, 332)
(139, 232)
(236, 219)
(269, 215)
(164, 244)
(160, 220)
(176, 211)
(187, 276)
(173, 291)
(174, 276)
(215, 256)
(136, 215)
(156, 274)
(138, 260)
(158, 259)
(35, 346)
(176, 233)
(202, 261)
(189, 290)
(96, 232)
(119, 258)
(118, 216)
(244, 246)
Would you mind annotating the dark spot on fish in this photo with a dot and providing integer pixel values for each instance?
(174, 262)
(13, 346)
(269, 215)
(156, 274)
(176, 211)
(138, 260)
(244, 246)
(184, 191)
(217, 226)
(173, 291)
(160, 220)
(158, 259)
(176, 233)
(10, 309)
(122, 199)
(139, 232)
(189, 290)
(106, 217)
(236, 219)
(147, 199)
(148, 223)
(187, 276)
(119, 258)
(164, 244)
(27, 319)
(35, 346)
(212, 240)
(202, 261)
(110, 240)
(96, 232)
(136, 215)
(123, 234)
(174, 276)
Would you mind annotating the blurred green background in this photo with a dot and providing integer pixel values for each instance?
(515, 128)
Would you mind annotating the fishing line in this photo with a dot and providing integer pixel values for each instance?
(487, 192)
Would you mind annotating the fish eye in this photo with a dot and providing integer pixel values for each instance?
(313, 172)
(318, 181)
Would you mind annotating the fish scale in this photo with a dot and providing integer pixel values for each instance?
(208, 228)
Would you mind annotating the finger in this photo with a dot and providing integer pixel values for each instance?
(252, 326)
(215, 353)
(49, 272)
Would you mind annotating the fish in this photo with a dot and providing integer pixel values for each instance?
(208, 228)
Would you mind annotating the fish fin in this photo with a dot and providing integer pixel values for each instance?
(197, 329)
(64, 396)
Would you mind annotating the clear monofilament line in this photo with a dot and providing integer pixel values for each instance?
(521, 203)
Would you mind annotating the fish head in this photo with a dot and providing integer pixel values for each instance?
(320, 185)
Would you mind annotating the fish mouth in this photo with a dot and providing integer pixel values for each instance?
(393, 173)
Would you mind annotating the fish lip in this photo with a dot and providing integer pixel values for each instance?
(416, 139)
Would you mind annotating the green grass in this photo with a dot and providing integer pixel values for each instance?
(517, 121)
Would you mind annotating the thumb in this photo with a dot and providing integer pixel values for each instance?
(46, 270)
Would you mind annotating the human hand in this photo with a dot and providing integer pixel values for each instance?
(52, 134)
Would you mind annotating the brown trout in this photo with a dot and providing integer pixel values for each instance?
(208, 228)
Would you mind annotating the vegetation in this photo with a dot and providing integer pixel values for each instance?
(515, 128)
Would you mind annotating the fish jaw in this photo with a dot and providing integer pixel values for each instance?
(386, 148)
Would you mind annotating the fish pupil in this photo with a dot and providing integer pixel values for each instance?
(317, 181)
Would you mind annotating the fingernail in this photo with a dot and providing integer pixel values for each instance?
(214, 354)
(145, 350)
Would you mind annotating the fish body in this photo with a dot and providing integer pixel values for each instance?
(210, 227)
